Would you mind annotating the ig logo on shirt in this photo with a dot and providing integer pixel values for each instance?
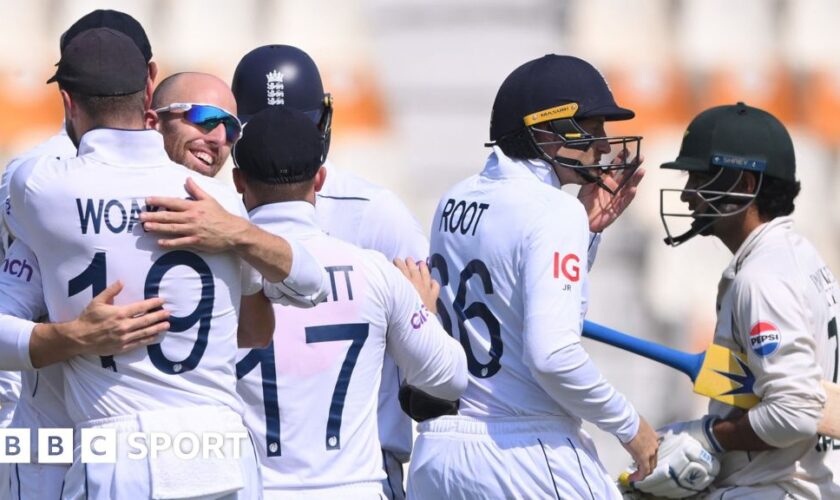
(765, 338)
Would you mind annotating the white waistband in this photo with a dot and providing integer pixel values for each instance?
(508, 425)
(350, 490)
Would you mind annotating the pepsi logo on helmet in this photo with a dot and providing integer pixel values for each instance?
(765, 338)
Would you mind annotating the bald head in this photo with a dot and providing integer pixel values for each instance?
(194, 87)
(188, 143)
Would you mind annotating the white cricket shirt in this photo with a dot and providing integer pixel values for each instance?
(311, 398)
(57, 146)
(80, 218)
(777, 303)
(369, 216)
(510, 252)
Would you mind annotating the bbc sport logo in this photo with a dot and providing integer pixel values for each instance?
(55, 446)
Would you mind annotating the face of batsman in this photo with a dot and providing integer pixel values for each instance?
(711, 197)
(580, 155)
(188, 142)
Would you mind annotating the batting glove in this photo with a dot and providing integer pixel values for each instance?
(684, 468)
(701, 430)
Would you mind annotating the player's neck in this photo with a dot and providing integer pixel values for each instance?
(116, 122)
(734, 233)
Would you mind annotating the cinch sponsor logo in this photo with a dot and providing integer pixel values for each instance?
(419, 318)
(55, 446)
(765, 338)
(19, 268)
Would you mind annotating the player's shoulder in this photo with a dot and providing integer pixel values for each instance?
(344, 185)
(330, 248)
(219, 190)
(58, 147)
(781, 254)
(38, 171)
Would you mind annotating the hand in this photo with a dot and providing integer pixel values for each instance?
(202, 224)
(643, 449)
(685, 468)
(604, 208)
(419, 276)
(104, 329)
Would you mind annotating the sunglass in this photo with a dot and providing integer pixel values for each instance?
(207, 117)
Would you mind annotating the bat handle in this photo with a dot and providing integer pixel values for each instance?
(687, 363)
(624, 478)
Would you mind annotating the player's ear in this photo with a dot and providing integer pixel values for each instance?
(238, 181)
(67, 101)
(750, 183)
(320, 178)
(152, 119)
(153, 71)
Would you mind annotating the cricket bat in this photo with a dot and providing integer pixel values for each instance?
(718, 372)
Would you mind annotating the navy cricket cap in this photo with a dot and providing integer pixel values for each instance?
(550, 88)
(737, 136)
(101, 62)
(114, 19)
(280, 145)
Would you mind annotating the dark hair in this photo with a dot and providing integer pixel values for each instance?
(775, 198)
(102, 109)
(519, 144)
(275, 192)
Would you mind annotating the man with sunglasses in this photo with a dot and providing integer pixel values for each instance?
(188, 109)
(512, 251)
(106, 329)
(103, 84)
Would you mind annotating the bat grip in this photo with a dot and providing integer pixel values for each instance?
(687, 363)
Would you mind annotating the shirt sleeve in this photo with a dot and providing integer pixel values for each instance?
(5, 206)
(771, 321)
(21, 302)
(554, 286)
(389, 228)
(18, 200)
(307, 283)
(592, 252)
(428, 358)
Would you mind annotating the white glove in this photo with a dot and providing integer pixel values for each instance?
(701, 430)
(684, 468)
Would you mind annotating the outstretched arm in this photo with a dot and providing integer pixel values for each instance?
(205, 225)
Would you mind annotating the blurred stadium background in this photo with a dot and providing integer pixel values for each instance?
(414, 82)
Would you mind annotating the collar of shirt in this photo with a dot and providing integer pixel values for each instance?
(289, 217)
(500, 166)
(119, 147)
(753, 241)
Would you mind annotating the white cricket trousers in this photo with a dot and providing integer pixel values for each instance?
(133, 478)
(529, 458)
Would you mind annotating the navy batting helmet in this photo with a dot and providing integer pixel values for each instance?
(539, 108)
(282, 75)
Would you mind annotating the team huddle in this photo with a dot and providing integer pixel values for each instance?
(306, 319)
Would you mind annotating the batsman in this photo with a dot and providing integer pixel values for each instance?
(776, 304)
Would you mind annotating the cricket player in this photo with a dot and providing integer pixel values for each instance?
(776, 303)
(511, 251)
(103, 80)
(42, 393)
(348, 207)
(311, 398)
